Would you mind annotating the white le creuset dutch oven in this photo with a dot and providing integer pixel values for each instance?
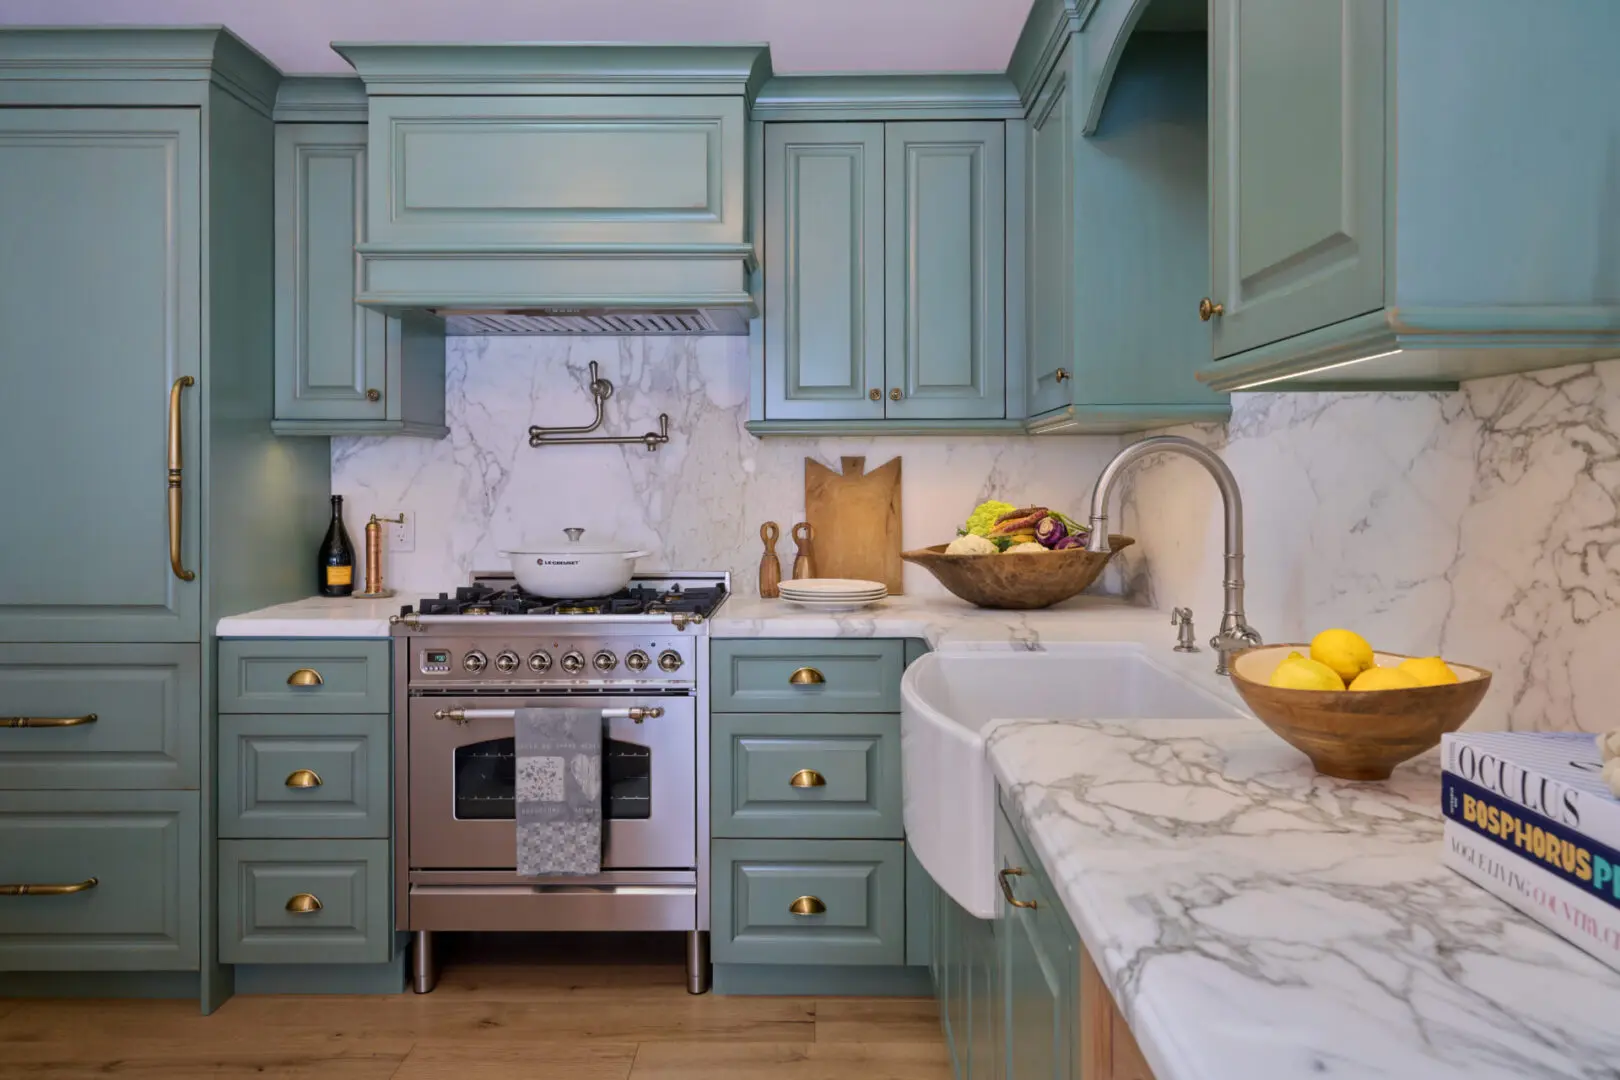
(576, 569)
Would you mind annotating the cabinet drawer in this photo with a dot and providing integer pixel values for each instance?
(315, 775)
(145, 700)
(810, 775)
(303, 676)
(304, 902)
(855, 676)
(141, 850)
(855, 890)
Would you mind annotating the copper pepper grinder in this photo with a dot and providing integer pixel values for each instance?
(770, 567)
(803, 564)
(374, 569)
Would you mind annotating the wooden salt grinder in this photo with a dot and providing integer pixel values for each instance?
(770, 567)
(803, 565)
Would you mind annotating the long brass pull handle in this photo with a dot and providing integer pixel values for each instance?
(807, 676)
(807, 905)
(303, 778)
(1006, 887)
(50, 890)
(1208, 311)
(47, 721)
(176, 465)
(305, 677)
(808, 778)
(304, 904)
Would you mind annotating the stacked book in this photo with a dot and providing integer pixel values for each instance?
(1530, 818)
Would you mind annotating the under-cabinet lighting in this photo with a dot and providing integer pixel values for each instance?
(1315, 371)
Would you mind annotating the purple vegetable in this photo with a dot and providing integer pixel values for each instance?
(1050, 532)
(1069, 542)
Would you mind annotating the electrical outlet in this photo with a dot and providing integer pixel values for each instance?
(402, 534)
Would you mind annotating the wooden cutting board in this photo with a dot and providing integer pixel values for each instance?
(856, 517)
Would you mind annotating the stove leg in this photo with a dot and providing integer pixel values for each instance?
(697, 961)
(424, 964)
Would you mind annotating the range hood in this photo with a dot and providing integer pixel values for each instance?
(559, 189)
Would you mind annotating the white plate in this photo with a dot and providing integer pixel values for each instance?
(834, 586)
(815, 597)
(832, 606)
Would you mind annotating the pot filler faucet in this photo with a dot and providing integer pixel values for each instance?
(1235, 633)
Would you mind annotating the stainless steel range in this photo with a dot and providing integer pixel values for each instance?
(463, 664)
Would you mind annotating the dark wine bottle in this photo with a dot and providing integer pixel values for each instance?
(337, 556)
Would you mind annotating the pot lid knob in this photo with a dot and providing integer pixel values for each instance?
(574, 535)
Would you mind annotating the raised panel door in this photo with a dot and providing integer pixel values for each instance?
(824, 282)
(1296, 166)
(945, 213)
(99, 315)
(1049, 281)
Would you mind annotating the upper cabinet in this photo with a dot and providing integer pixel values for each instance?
(1410, 194)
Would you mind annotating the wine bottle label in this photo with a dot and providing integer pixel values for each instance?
(340, 575)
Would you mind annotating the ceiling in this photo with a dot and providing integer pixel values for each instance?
(804, 35)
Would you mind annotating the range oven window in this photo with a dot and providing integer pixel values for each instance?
(486, 780)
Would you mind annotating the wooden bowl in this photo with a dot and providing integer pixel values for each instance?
(1019, 582)
(1356, 735)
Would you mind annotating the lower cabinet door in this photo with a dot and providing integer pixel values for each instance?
(1040, 970)
(99, 880)
(304, 902)
(808, 901)
(303, 776)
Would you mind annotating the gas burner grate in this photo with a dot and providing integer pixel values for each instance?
(481, 600)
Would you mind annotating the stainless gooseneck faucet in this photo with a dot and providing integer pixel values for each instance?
(1235, 632)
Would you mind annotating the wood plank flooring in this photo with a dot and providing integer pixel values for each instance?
(515, 1016)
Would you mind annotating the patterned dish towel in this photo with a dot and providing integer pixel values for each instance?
(559, 791)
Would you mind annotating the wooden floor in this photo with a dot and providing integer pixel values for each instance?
(492, 1017)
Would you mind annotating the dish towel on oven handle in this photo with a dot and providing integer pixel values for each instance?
(559, 791)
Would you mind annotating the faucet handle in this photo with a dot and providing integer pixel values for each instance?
(1187, 639)
(1235, 635)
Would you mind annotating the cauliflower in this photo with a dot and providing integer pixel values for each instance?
(1028, 547)
(971, 544)
(984, 515)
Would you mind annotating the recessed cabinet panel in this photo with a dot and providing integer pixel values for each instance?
(1050, 278)
(945, 258)
(1297, 166)
(824, 271)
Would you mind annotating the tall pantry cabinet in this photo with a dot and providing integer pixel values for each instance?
(143, 494)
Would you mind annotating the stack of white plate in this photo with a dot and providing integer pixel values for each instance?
(833, 594)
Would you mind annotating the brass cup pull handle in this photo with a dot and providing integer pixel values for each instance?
(47, 721)
(1006, 887)
(50, 890)
(807, 676)
(807, 905)
(176, 468)
(807, 778)
(304, 778)
(305, 677)
(1208, 310)
(304, 904)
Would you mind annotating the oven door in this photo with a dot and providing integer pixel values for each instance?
(462, 782)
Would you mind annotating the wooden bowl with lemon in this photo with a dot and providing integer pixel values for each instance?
(1390, 709)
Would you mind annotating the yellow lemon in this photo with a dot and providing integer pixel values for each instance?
(1345, 652)
(1298, 673)
(1384, 678)
(1428, 670)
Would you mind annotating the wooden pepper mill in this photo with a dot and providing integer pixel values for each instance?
(803, 558)
(770, 567)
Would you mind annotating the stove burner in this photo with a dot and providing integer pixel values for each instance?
(578, 609)
(475, 610)
(635, 600)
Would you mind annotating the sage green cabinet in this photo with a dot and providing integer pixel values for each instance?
(341, 368)
(1040, 970)
(305, 902)
(304, 776)
(806, 675)
(304, 675)
(967, 984)
(885, 276)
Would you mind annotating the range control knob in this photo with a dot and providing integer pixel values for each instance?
(507, 662)
(604, 661)
(475, 661)
(572, 661)
(670, 660)
(540, 661)
(636, 660)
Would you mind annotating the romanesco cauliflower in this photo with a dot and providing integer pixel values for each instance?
(984, 515)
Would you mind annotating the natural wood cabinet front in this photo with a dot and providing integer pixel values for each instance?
(1108, 1051)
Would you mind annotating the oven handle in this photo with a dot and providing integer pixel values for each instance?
(462, 716)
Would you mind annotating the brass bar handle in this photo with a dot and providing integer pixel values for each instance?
(807, 905)
(807, 676)
(1006, 887)
(50, 890)
(47, 721)
(807, 778)
(305, 677)
(304, 904)
(304, 778)
(176, 467)
(1208, 310)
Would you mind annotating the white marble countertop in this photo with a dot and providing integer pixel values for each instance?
(315, 616)
(1256, 921)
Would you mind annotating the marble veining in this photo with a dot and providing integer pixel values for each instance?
(1255, 920)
